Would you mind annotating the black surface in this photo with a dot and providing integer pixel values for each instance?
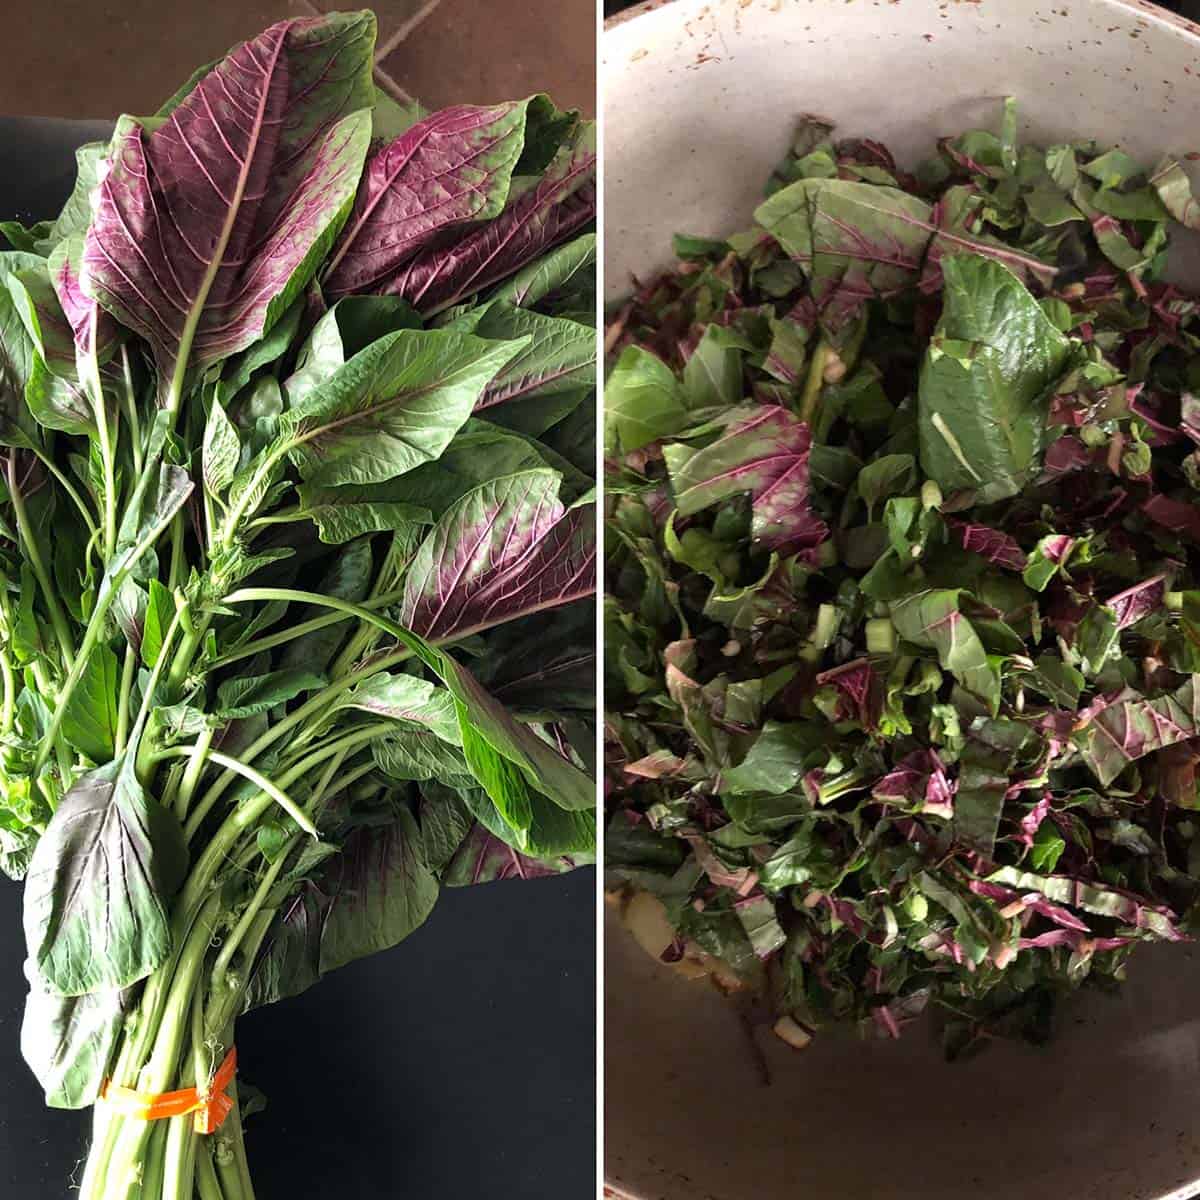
(460, 1065)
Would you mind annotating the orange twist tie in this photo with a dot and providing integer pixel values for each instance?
(210, 1104)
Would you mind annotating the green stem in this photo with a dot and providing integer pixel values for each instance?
(33, 552)
(159, 1072)
(92, 636)
(131, 415)
(187, 651)
(208, 1186)
(259, 780)
(153, 1164)
(814, 381)
(305, 627)
(195, 768)
(312, 707)
(10, 691)
(178, 566)
(127, 676)
(106, 447)
(230, 946)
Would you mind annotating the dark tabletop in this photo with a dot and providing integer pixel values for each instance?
(460, 1065)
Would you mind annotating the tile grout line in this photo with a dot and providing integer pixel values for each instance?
(405, 28)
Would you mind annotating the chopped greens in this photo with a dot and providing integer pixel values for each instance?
(903, 585)
(297, 554)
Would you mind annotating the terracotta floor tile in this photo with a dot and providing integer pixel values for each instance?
(79, 58)
(473, 52)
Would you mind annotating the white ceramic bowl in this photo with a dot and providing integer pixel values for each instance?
(700, 100)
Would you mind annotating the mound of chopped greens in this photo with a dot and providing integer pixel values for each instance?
(296, 559)
(903, 531)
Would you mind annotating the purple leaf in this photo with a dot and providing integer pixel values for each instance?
(1176, 515)
(861, 241)
(86, 318)
(484, 858)
(764, 452)
(453, 167)
(1134, 603)
(859, 690)
(548, 212)
(206, 229)
(920, 779)
(506, 549)
(996, 547)
(1117, 730)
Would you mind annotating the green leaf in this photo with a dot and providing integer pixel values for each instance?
(558, 271)
(68, 1041)
(382, 889)
(933, 619)
(983, 391)
(643, 401)
(96, 893)
(416, 754)
(160, 612)
(244, 696)
(408, 699)
(891, 475)
(1047, 848)
(712, 375)
(222, 450)
(775, 763)
(90, 720)
(552, 832)
(543, 767)
(558, 356)
(395, 405)
(342, 521)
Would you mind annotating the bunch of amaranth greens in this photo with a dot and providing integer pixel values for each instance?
(298, 393)
(902, 521)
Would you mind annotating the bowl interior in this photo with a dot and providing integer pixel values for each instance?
(701, 99)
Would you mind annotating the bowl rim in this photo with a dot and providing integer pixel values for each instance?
(1143, 8)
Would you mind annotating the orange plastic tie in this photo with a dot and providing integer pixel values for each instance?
(210, 1103)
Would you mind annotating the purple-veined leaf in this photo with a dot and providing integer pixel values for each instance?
(378, 890)
(549, 210)
(507, 548)
(764, 452)
(859, 689)
(997, 547)
(208, 227)
(366, 898)
(919, 778)
(560, 355)
(859, 241)
(88, 321)
(45, 320)
(1136, 602)
(451, 168)
(483, 858)
(1125, 727)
